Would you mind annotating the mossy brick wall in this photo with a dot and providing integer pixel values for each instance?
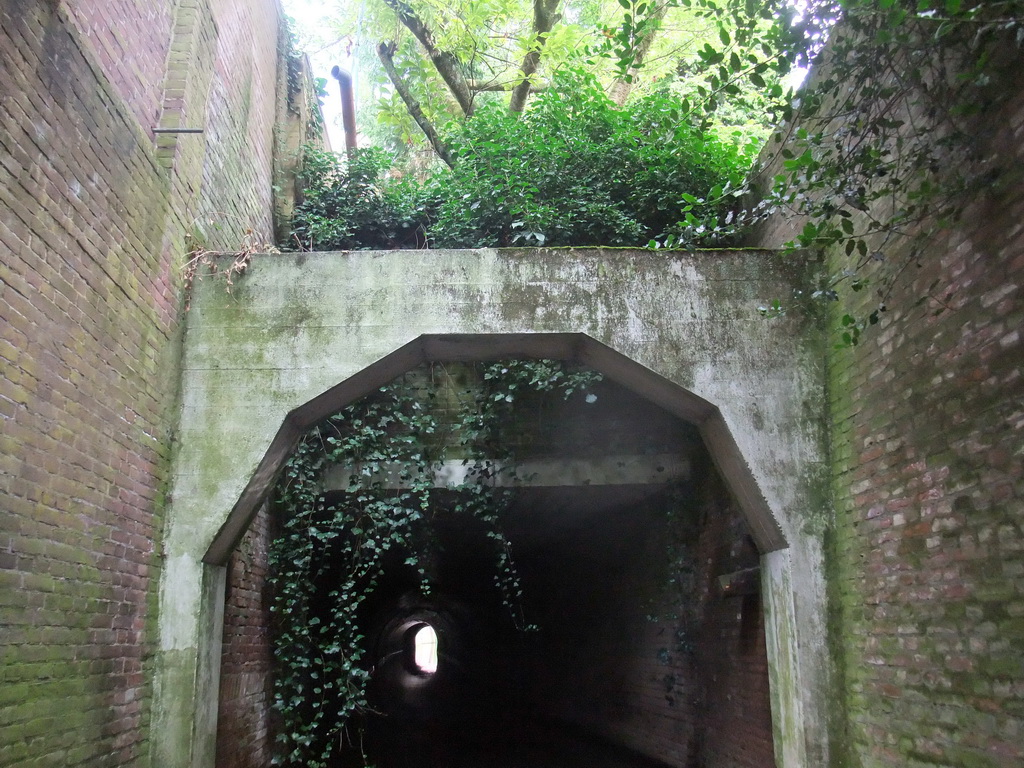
(92, 224)
(927, 553)
(87, 315)
(239, 124)
(244, 737)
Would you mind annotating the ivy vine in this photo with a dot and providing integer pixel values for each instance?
(883, 149)
(333, 548)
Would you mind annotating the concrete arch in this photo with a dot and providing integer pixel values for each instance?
(264, 362)
(568, 347)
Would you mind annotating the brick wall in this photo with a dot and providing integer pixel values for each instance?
(734, 709)
(130, 42)
(92, 224)
(600, 662)
(687, 689)
(239, 124)
(927, 551)
(243, 733)
(86, 323)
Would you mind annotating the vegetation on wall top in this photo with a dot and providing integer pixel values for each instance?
(574, 170)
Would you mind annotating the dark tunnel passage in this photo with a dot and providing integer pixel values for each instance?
(634, 644)
(639, 636)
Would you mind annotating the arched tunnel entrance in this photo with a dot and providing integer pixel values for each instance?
(311, 332)
(638, 637)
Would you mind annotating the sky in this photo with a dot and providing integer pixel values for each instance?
(311, 19)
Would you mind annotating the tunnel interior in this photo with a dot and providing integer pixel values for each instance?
(638, 638)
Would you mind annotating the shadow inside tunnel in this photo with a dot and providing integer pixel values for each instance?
(523, 744)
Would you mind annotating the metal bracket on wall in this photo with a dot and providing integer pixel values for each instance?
(745, 582)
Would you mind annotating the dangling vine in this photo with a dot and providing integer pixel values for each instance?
(333, 547)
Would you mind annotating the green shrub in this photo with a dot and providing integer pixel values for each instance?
(350, 204)
(573, 170)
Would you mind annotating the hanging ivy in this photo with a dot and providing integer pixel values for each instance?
(332, 548)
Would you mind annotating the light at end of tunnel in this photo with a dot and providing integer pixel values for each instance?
(425, 649)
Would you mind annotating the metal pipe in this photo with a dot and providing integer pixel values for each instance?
(348, 107)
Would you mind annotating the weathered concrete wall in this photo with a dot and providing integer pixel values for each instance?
(927, 553)
(297, 325)
(93, 218)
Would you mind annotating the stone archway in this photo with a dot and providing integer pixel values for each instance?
(680, 329)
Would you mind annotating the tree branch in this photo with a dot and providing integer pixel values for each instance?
(622, 86)
(446, 64)
(544, 18)
(492, 86)
(386, 52)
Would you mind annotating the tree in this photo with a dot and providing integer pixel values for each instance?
(574, 169)
(439, 63)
